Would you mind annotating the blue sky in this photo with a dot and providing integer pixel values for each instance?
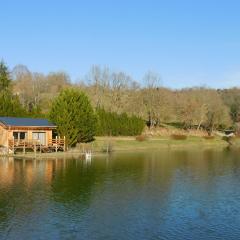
(188, 42)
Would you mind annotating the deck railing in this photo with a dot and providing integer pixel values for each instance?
(22, 142)
(59, 141)
(52, 144)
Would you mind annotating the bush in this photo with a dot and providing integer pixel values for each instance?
(179, 137)
(141, 138)
(227, 139)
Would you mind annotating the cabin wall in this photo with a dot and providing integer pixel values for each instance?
(6, 134)
(48, 135)
(3, 136)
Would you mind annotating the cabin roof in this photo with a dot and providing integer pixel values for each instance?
(25, 122)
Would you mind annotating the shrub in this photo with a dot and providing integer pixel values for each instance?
(227, 139)
(179, 137)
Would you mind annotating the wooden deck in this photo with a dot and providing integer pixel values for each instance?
(53, 145)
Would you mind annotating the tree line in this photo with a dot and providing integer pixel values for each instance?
(69, 108)
(118, 93)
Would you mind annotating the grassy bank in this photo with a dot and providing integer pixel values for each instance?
(117, 144)
(131, 144)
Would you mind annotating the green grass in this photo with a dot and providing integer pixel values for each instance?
(129, 143)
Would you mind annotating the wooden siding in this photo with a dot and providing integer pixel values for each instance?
(3, 136)
(6, 133)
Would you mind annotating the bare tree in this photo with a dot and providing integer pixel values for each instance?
(152, 83)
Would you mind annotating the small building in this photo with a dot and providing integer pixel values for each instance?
(23, 133)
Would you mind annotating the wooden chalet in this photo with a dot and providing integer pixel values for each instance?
(28, 133)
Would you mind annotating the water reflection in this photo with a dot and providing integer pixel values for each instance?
(158, 195)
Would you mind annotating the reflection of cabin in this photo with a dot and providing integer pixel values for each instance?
(28, 133)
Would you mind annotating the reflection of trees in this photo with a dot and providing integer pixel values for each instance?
(155, 184)
(75, 182)
(79, 181)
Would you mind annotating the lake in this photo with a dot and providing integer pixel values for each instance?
(171, 194)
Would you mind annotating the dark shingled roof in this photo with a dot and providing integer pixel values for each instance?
(31, 122)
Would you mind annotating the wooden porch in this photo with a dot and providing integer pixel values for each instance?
(53, 145)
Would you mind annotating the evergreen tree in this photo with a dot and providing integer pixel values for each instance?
(9, 104)
(74, 116)
(5, 79)
(113, 124)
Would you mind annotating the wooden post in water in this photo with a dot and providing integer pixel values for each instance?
(64, 144)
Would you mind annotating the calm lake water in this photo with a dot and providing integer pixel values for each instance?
(144, 195)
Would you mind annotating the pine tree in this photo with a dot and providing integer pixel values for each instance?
(5, 79)
(9, 104)
(74, 116)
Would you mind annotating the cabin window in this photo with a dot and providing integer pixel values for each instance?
(19, 135)
(40, 136)
(15, 135)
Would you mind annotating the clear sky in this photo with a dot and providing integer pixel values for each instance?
(188, 42)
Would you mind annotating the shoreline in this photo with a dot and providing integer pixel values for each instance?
(128, 144)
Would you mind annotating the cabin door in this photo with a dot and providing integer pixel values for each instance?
(41, 136)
